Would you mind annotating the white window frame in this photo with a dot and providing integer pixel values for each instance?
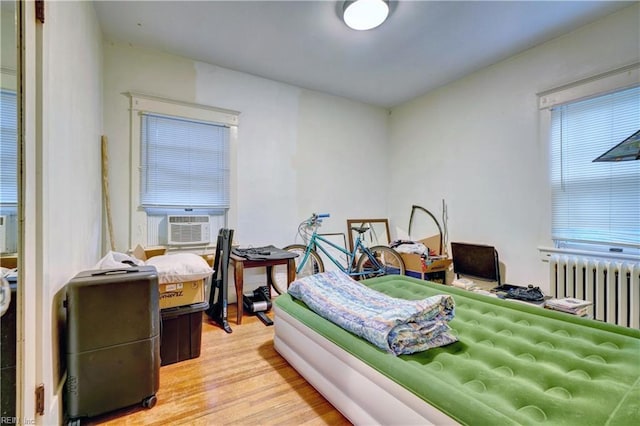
(142, 103)
(619, 79)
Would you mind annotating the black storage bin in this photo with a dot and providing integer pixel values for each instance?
(113, 341)
(181, 332)
(436, 277)
(8, 356)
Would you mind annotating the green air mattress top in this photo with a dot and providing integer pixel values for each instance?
(513, 364)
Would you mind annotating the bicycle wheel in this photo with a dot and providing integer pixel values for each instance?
(313, 265)
(390, 261)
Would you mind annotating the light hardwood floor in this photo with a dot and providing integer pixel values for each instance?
(238, 378)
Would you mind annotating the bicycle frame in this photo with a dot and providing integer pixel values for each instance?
(315, 243)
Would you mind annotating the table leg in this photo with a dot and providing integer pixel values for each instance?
(269, 280)
(238, 274)
(291, 271)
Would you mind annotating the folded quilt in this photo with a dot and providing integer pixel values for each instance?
(398, 326)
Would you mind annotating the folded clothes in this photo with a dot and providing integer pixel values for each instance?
(406, 246)
(395, 325)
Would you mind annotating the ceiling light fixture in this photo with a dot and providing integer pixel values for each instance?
(365, 14)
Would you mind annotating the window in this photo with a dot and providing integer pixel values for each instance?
(8, 149)
(595, 204)
(184, 163)
(8, 171)
(182, 158)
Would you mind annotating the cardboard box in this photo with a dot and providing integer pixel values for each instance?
(432, 269)
(144, 253)
(177, 293)
(180, 294)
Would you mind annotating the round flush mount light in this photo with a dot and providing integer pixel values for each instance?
(365, 14)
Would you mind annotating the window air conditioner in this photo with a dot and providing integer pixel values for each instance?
(185, 230)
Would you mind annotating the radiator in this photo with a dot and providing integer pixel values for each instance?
(612, 286)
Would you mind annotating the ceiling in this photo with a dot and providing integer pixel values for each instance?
(423, 45)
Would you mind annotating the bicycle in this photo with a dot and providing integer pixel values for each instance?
(361, 262)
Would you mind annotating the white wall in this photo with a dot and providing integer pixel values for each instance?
(70, 203)
(298, 151)
(476, 144)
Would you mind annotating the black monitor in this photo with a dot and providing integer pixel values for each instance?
(477, 261)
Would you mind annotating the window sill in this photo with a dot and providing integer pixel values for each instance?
(547, 252)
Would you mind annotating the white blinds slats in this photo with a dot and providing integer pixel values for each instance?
(595, 202)
(184, 163)
(8, 148)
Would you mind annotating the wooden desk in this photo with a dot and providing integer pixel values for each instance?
(240, 263)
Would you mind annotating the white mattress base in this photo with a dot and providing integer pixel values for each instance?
(361, 393)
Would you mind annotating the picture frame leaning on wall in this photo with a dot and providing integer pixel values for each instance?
(377, 233)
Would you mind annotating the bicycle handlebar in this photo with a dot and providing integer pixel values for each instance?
(315, 219)
(311, 224)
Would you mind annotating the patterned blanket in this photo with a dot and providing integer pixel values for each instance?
(395, 325)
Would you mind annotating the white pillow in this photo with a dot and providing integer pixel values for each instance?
(180, 267)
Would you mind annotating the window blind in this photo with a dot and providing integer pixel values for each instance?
(184, 163)
(8, 148)
(595, 203)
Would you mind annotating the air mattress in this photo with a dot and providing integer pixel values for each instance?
(513, 363)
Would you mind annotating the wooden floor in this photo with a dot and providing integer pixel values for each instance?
(239, 378)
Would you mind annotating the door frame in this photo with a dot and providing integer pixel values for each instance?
(29, 307)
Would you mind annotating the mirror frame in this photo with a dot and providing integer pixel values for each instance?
(379, 239)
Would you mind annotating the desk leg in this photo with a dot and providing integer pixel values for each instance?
(291, 271)
(269, 280)
(238, 275)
